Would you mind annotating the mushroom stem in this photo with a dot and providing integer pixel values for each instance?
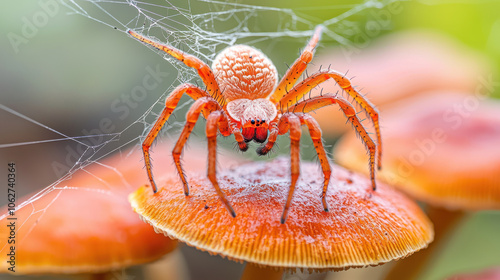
(305, 275)
(253, 271)
(170, 267)
(444, 221)
(101, 276)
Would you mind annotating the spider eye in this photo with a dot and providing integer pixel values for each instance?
(263, 121)
(252, 121)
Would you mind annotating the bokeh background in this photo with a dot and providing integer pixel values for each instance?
(72, 73)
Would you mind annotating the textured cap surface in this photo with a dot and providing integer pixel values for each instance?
(442, 149)
(359, 230)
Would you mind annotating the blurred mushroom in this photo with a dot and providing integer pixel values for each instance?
(398, 66)
(488, 274)
(361, 228)
(86, 225)
(81, 228)
(441, 149)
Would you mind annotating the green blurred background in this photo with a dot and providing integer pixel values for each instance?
(69, 74)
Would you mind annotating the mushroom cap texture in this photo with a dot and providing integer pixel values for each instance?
(359, 229)
(441, 149)
(85, 224)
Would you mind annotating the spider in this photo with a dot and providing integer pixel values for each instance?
(243, 97)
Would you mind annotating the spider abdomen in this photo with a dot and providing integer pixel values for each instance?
(244, 72)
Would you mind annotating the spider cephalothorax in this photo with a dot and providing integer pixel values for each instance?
(243, 97)
(253, 115)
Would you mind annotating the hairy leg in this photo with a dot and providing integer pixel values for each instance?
(349, 111)
(315, 133)
(214, 120)
(290, 122)
(298, 67)
(205, 103)
(203, 69)
(295, 94)
(170, 104)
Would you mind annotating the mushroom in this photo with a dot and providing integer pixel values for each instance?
(86, 225)
(398, 66)
(78, 229)
(442, 150)
(361, 228)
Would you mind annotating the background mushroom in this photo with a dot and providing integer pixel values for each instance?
(487, 274)
(443, 151)
(398, 66)
(86, 225)
(361, 228)
(78, 229)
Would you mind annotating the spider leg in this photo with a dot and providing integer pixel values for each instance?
(305, 86)
(290, 122)
(206, 104)
(349, 111)
(315, 133)
(297, 68)
(215, 119)
(170, 104)
(206, 74)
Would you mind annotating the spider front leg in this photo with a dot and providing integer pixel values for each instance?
(315, 133)
(170, 104)
(203, 69)
(305, 86)
(206, 104)
(290, 122)
(214, 120)
(298, 67)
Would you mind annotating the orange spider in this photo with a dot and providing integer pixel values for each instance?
(252, 105)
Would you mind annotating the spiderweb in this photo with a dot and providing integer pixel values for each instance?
(202, 28)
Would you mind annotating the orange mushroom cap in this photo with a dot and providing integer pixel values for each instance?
(81, 231)
(358, 230)
(398, 66)
(442, 149)
(85, 224)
